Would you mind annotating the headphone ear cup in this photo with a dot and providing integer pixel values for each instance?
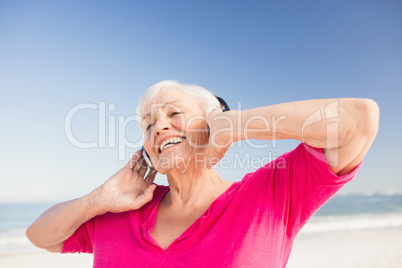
(224, 105)
(146, 157)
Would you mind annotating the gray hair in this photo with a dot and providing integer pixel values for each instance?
(206, 98)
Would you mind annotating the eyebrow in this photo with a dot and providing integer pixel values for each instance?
(164, 105)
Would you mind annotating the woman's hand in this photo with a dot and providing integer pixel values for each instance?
(223, 132)
(127, 189)
(344, 128)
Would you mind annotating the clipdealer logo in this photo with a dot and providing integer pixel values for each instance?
(106, 128)
(330, 114)
(112, 129)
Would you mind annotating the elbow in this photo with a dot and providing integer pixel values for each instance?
(32, 237)
(30, 234)
(364, 116)
(370, 117)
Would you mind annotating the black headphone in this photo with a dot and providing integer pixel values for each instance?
(224, 107)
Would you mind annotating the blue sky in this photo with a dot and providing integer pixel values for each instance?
(55, 55)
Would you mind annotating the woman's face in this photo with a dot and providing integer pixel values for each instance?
(175, 131)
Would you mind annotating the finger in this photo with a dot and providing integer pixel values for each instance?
(151, 176)
(145, 197)
(209, 163)
(212, 113)
(133, 161)
(143, 167)
(136, 169)
(148, 193)
(213, 158)
(139, 169)
(212, 162)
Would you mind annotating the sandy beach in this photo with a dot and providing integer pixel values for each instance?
(379, 248)
(46, 260)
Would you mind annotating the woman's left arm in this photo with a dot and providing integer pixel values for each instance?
(344, 128)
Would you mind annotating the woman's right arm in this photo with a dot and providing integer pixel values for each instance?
(59, 222)
(126, 190)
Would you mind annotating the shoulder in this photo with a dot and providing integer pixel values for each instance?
(302, 162)
(276, 167)
(160, 191)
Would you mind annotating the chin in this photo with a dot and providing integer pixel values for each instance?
(172, 161)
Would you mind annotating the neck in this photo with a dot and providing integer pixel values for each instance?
(194, 187)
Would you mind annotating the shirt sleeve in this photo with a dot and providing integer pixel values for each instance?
(297, 184)
(81, 240)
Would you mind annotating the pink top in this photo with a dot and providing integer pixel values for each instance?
(252, 224)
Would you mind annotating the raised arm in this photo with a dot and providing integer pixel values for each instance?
(344, 128)
(125, 190)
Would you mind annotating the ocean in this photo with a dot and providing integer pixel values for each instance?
(341, 213)
(14, 220)
(357, 212)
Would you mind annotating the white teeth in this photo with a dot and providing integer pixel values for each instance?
(165, 144)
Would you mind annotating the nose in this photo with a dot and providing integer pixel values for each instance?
(162, 125)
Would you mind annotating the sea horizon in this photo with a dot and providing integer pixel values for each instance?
(342, 213)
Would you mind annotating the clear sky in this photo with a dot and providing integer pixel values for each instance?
(55, 55)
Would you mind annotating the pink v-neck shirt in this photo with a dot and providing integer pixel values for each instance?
(252, 224)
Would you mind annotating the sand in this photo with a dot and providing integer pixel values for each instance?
(379, 248)
(45, 259)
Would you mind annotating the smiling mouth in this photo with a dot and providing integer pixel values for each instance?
(170, 142)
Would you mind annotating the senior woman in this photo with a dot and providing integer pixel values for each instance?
(200, 220)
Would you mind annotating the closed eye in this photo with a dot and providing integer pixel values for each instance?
(149, 126)
(175, 113)
(172, 114)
